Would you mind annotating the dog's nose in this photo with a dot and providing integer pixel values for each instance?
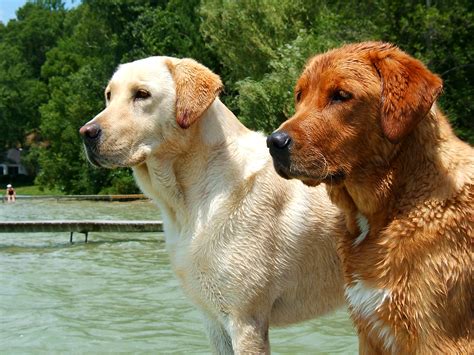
(90, 131)
(278, 144)
(279, 140)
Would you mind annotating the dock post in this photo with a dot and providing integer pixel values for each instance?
(70, 238)
(86, 233)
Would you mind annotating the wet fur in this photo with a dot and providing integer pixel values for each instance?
(250, 249)
(406, 190)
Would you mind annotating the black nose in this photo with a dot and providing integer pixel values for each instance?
(90, 131)
(279, 140)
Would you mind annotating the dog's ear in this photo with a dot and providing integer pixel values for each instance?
(409, 90)
(196, 89)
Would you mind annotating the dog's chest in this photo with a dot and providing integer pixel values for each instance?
(367, 301)
(198, 276)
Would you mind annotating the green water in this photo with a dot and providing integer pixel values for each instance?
(115, 293)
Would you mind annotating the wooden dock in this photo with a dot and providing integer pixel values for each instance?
(80, 226)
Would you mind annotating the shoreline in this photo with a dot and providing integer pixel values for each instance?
(132, 197)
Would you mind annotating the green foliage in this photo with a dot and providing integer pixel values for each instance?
(171, 31)
(55, 63)
(74, 100)
(121, 182)
(23, 46)
(246, 34)
(264, 104)
(20, 96)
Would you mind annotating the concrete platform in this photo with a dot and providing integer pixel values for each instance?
(80, 227)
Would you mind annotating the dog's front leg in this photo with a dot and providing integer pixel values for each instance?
(219, 339)
(249, 335)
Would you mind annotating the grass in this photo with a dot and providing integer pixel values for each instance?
(35, 190)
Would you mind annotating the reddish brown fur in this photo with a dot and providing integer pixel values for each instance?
(407, 173)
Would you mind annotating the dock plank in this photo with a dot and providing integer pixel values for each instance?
(80, 226)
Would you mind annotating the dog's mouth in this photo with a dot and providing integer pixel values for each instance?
(119, 159)
(100, 160)
(309, 179)
(94, 158)
(281, 170)
(329, 179)
(318, 171)
(335, 178)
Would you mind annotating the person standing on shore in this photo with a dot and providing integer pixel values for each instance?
(10, 194)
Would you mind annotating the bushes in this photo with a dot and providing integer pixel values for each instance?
(55, 63)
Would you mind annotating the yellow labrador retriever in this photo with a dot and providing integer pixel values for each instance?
(250, 248)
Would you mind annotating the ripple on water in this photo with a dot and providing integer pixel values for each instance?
(114, 294)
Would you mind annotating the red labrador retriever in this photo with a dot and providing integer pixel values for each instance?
(367, 125)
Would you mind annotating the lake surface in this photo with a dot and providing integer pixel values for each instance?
(116, 293)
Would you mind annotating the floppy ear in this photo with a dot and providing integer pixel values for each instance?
(196, 89)
(409, 90)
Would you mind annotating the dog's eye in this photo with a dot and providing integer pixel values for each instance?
(341, 96)
(108, 95)
(298, 96)
(141, 95)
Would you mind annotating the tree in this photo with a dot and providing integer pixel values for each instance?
(55, 63)
(171, 30)
(23, 46)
